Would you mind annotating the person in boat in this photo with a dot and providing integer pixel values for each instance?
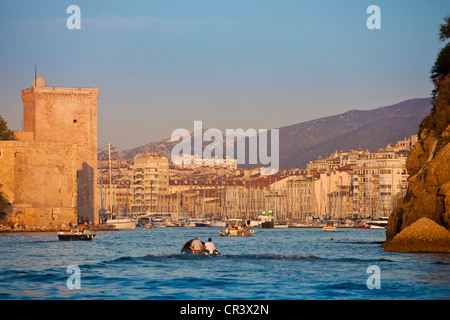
(186, 247)
(197, 246)
(210, 247)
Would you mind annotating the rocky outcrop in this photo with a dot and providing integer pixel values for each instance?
(424, 235)
(428, 165)
(17, 227)
(428, 194)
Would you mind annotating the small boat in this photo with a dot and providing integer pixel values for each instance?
(361, 226)
(175, 223)
(236, 228)
(268, 224)
(218, 223)
(147, 226)
(266, 221)
(380, 223)
(375, 226)
(203, 223)
(252, 223)
(299, 225)
(281, 224)
(329, 226)
(77, 234)
(185, 249)
(123, 223)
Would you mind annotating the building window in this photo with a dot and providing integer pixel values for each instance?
(74, 120)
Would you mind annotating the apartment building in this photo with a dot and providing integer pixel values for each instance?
(379, 180)
(150, 182)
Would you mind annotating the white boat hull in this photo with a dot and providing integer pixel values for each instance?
(377, 227)
(123, 224)
(218, 224)
(237, 233)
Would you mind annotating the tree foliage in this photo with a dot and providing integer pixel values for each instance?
(5, 132)
(441, 67)
(439, 118)
(3, 202)
(444, 33)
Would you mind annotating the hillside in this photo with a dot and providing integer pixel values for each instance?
(305, 141)
(354, 129)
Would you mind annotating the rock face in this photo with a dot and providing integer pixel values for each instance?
(428, 165)
(424, 235)
(429, 190)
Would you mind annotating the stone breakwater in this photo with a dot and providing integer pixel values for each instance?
(16, 227)
(424, 235)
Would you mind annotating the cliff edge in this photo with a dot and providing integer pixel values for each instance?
(428, 165)
(428, 194)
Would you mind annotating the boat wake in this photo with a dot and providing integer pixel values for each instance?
(195, 257)
(233, 257)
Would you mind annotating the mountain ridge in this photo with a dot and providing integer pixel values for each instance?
(305, 141)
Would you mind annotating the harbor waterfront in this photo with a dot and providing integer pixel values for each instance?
(271, 264)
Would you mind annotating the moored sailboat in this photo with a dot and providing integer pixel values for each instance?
(110, 219)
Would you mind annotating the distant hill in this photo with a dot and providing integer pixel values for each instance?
(305, 141)
(371, 129)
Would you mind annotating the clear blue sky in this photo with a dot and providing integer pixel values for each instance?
(162, 64)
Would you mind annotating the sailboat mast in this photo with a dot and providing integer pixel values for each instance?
(101, 184)
(110, 179)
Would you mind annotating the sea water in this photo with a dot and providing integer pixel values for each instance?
(271, 264)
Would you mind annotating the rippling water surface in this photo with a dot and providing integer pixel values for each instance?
(271, 264)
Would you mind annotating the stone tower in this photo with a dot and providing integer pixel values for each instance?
(66, 115)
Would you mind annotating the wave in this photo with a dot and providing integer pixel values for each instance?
(357, 260)
(31, 275)
(188, 257)
(234, 257)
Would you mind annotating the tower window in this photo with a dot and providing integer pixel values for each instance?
(74, 120)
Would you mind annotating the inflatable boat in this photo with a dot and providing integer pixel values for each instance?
(186, 250)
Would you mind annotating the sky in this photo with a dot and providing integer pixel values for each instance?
(160, 65)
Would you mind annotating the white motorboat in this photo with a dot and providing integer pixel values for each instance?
(280, 224)
(380, 223)
(123, 223)
(252, 223)
(203, 223)
(76, 234)
(329, 226)
(218, 223)
(236, 228)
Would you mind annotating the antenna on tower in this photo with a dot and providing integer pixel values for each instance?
(35, 75)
